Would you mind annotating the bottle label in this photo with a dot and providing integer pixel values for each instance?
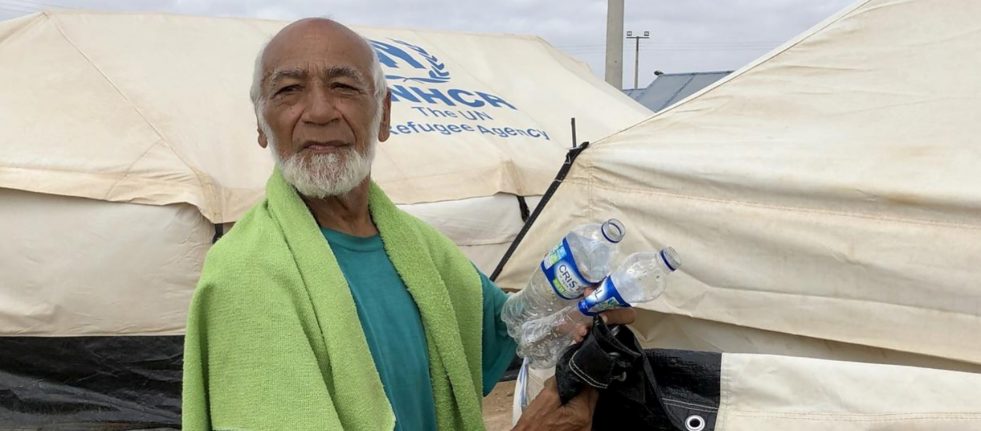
(562, 273)
(605, 297)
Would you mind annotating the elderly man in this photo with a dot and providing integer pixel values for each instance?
(326, 307)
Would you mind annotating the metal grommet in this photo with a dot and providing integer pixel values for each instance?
(694, 423)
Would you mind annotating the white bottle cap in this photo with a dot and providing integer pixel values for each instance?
(670, 258)
(613, 230)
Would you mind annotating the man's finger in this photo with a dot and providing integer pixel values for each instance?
(619, 316)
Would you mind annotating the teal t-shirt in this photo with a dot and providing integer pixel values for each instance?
(396, 338)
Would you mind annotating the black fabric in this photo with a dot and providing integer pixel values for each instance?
(655, 389)
(82, 383)
(523, 208)
(219, 232)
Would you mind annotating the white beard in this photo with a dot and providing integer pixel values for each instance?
(322, 175)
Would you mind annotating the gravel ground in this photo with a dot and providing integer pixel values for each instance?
(497, 407)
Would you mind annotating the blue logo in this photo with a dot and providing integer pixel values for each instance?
(421, 66)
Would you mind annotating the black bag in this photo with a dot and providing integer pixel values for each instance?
(653, 389)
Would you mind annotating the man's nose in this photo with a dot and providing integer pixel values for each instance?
(321, 107)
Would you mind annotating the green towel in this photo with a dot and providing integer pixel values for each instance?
(273, 337)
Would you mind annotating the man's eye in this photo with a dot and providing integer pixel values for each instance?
(345, 87)
(288, 89)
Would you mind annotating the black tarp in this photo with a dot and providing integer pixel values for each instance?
(651, 389)
(82, 383)
(127, 382)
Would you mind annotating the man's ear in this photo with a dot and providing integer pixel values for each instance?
(386, 121)
(263, 141)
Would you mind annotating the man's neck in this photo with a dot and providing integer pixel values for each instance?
(347, 213)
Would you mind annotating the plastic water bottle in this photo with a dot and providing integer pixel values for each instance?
(580, 260)
(641, 278)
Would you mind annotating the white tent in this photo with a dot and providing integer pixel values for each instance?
(825, 199)
(126, 136)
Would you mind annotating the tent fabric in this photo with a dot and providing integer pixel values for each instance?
(482, 227)
(829, 190)
(671, 331)
(74, 266)
(768, 392)
(154, 109)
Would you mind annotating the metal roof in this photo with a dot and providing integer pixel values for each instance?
(669, 88)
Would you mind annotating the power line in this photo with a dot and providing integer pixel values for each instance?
(37, 3)
(676, 47)
(15, 8)
(691, 45)
(655, 49)
(32, 6)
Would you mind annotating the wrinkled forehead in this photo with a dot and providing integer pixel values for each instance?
(316, 46)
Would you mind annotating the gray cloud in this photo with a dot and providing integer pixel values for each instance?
(694, 35)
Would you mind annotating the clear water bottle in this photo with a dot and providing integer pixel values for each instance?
(580, 260)
(641, 278)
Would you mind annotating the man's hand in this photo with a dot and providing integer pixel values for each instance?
(547, 413)
(616, 316)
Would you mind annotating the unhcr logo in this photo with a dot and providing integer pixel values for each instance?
(411, 71)
(427, 65)
(419, 79)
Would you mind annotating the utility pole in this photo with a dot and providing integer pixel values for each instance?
(647, 35)
(614, 43)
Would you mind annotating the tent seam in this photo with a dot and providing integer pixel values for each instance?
(162, 140)
(867, 338)
(725, 392)
(818, 297)
(861, 417)
(786, 208)
(590, 179)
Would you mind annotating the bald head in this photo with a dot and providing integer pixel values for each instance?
(319, 30)
(315, 37)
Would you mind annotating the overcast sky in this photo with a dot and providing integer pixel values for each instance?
(687, 35)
